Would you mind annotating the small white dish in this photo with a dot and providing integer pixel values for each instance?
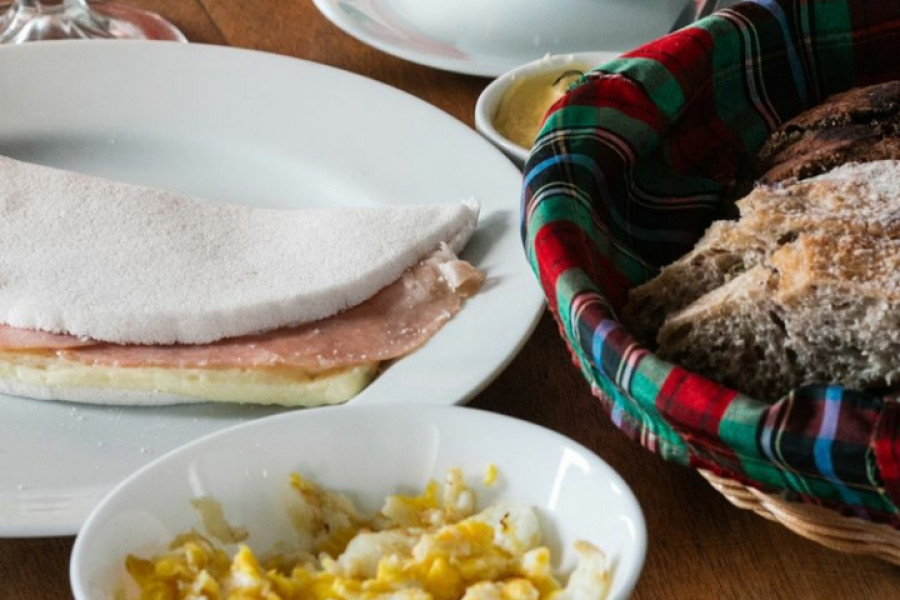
(490, 97)
(367, 452)
(489, 37)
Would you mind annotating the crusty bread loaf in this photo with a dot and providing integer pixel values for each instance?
(859, 198)
(859, 125)
(724, 251)
(802, 287)
(823, 309)
(733, 335)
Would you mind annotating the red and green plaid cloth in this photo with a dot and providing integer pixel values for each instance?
(629, 170)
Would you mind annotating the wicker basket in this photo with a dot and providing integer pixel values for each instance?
(822, 525)
(628, 172)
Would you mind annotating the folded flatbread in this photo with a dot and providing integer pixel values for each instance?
(117, 293)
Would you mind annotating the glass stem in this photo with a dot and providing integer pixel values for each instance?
(30, 20)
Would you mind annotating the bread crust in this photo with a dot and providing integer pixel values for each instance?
(815, 298)
(857, 199)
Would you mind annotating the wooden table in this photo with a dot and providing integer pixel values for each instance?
(700, 546)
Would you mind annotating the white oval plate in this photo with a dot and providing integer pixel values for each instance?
(367, 452)
(253, 128)
(490, 37)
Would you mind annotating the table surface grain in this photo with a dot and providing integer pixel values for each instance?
(700, 546)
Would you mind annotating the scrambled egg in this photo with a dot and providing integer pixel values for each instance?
(433, 546)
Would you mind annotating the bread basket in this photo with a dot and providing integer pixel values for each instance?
(628, 171)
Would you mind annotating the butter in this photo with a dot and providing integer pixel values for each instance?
(521, 109)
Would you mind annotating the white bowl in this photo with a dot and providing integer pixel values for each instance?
(489, 37)
(368, 452)
(489, 99)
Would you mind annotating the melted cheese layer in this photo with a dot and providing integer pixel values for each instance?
(288, 387)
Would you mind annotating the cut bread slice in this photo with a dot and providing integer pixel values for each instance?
(733, 335)
(724, 252)
(858, 198)
(841, 302)
(823, 309)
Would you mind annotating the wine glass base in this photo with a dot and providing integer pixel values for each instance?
(102, 20)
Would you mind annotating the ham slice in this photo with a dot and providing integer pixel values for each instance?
(13, 338)
(396, 321)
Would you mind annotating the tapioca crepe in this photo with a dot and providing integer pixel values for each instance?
(112, 292)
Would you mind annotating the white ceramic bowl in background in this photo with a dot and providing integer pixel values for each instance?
(489, 100)
(489, 37)
(367, 452)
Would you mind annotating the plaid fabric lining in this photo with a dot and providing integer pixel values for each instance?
(629, 170)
